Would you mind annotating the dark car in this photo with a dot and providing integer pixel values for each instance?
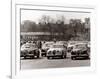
(79, 51)
(30, 50)
(46, 47)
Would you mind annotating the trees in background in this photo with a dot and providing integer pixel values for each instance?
(57, 27)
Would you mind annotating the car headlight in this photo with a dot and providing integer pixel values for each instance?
(49, 52)
(58, 51)
(54, 51)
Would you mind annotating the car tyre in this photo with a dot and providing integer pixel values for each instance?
(87, 57)
(32, 57)
(73, 58)
(24, 57)
(64, 56)
(38, 55)
(48, 57)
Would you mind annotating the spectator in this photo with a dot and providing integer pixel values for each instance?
(39, 43)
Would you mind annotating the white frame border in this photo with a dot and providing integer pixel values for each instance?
(16, 73)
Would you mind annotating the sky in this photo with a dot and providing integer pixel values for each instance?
(35, 15)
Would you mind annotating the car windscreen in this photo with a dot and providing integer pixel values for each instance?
(58, 46)
(47, 44)
(28, 46)
(80, 46)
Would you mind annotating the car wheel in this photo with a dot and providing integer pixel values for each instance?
(64, 56)
(24, 57)
(73, 58)
(88, 57)
(42, 54)
(38, 56)
(45, 55)
(32, 57)
(48, 57)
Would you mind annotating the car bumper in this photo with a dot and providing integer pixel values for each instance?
(29, 54)
(55, 55)
(80, 56)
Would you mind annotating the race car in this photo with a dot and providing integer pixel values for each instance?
(45, 47)
(70, 46)
(57, 50)
(29, 50)
(79, 51)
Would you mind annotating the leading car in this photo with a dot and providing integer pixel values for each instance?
(30, 50)
(57, 50)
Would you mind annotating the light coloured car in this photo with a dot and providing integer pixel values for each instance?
(30, 50)
(57, 50)
(62, 42)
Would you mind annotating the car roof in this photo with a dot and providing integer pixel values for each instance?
(58, 44)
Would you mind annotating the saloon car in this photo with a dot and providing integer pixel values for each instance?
(30, 50)
(57, 50)
(70, 46)
(45, 47)
(22, 42)
(79, 51)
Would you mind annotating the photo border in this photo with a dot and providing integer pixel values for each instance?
(15, 32)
